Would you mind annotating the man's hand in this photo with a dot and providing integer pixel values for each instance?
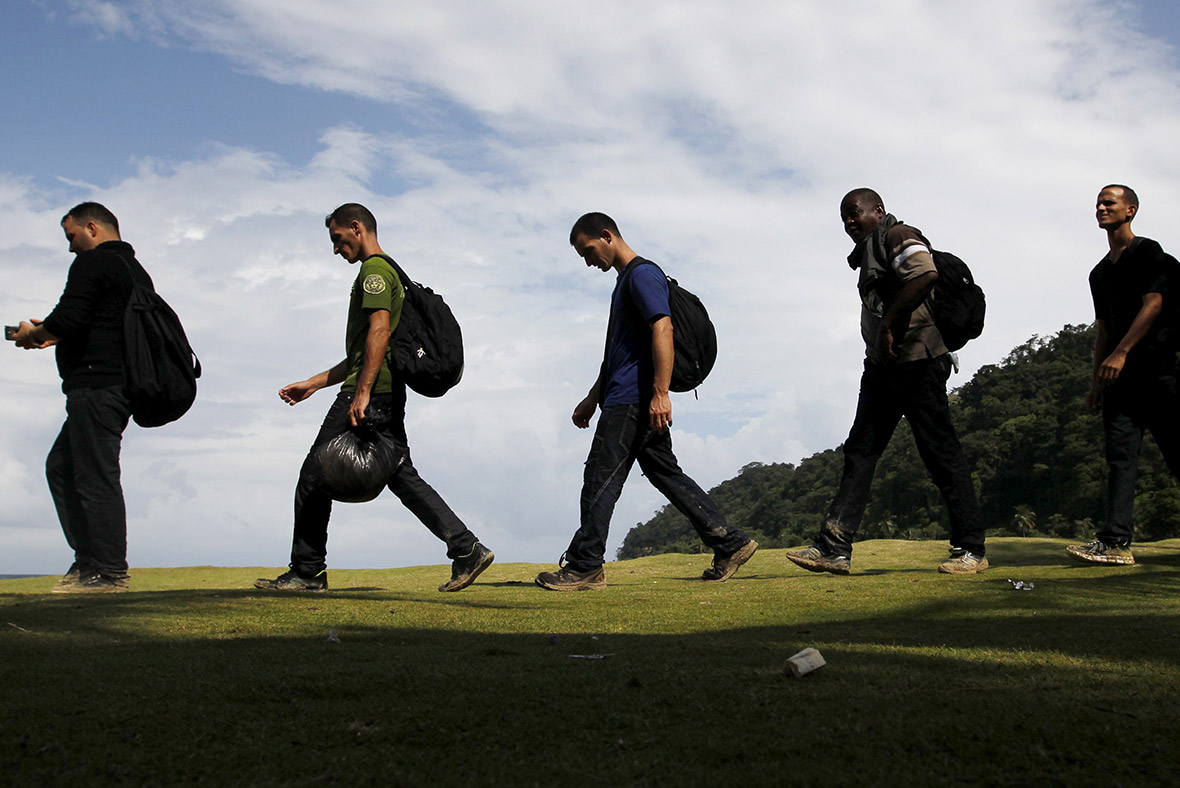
(1108, 371)
(293, 393)
(356, 411)
(660, 412)
(1094, 399)
(585, 411)
(28, 337)
(885, 344)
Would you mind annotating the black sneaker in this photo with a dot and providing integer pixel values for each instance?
(814, 559)
(726, 567)
(292, 581)
(466, 568)
(92, 583)
(566, 579)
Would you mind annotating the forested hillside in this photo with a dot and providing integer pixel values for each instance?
(1035, 451)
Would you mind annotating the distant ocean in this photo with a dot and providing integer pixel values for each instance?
(17, 577)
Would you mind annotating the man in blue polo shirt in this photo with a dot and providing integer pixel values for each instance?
(632, 389)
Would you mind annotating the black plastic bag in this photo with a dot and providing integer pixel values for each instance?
(356, 465)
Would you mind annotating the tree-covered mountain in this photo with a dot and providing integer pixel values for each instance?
(1035, 451)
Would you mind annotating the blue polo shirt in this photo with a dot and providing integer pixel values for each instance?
(640, 297)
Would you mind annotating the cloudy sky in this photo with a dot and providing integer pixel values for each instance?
(720, 135)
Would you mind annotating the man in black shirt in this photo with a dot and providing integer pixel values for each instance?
(83, 466)
(1134, 287)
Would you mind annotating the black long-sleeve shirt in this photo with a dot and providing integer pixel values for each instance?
(88, 318)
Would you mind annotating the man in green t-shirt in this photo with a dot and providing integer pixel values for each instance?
(368, 380)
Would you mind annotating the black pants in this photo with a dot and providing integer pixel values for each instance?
(83, 473)
(1129, 406)
(313, 507)
(916, 390)
(622, 436)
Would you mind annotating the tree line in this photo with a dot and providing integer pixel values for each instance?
(1035, 451)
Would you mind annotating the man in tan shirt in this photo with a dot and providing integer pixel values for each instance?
(905, 374)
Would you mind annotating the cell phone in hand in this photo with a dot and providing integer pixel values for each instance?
(10, 331)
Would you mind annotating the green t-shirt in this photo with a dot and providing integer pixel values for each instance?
(376, 287)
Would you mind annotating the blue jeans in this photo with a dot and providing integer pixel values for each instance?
(83, 474)
(1129, 406)
(313, 507)
(622, 436)
(916, 390)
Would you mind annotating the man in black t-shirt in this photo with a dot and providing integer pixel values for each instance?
(86, 327)
(1135, 288)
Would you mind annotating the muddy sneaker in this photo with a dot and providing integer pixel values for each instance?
(963, 562)
(290, 581)
(1098, 552)
(725, 568)
(814, 559)
(68, 580)
(466, 568)
(566, 579)
(92, 583)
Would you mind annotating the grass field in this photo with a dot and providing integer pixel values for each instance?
(197, 678)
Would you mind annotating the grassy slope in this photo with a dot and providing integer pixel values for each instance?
(931, 680)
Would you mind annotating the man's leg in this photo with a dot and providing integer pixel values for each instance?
(429, 507)
(609, 462)
(59, 471)
(95, 420)
(654, 453)
(877, 413)
(313, 507)
(1123, 437)
(929, 414)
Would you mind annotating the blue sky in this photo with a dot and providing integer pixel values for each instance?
(720, 135)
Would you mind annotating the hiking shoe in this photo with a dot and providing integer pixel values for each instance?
(814, 559)
(725, 568)
(91, 583)
(465, 569)
(566, 579)
(1099, 552)
(963, 562)
(68, 580)
(291, 581)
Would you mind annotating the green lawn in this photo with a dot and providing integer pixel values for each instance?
(197, 678)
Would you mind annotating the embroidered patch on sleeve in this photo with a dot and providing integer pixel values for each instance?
(374, 284)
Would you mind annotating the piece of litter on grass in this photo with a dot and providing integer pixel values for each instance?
(1020, 585)
(591, 656)
(14, 626)
(332, 636)
(805, 662)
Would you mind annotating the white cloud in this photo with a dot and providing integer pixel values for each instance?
(720, 135)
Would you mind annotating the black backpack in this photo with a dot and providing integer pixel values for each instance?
(694, 337)
(426, 348)
(160, 368)
(958, 305)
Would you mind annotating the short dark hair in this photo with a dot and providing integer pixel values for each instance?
(1129, 195)
(592, 224)
(352, 212)
(85, 212)
(864, 195)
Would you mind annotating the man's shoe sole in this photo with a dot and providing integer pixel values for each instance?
(301, 589)
(957, 568)
(589, 585)
(1090, 558)
(482, 565)
(739, 558)
(817, 566)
